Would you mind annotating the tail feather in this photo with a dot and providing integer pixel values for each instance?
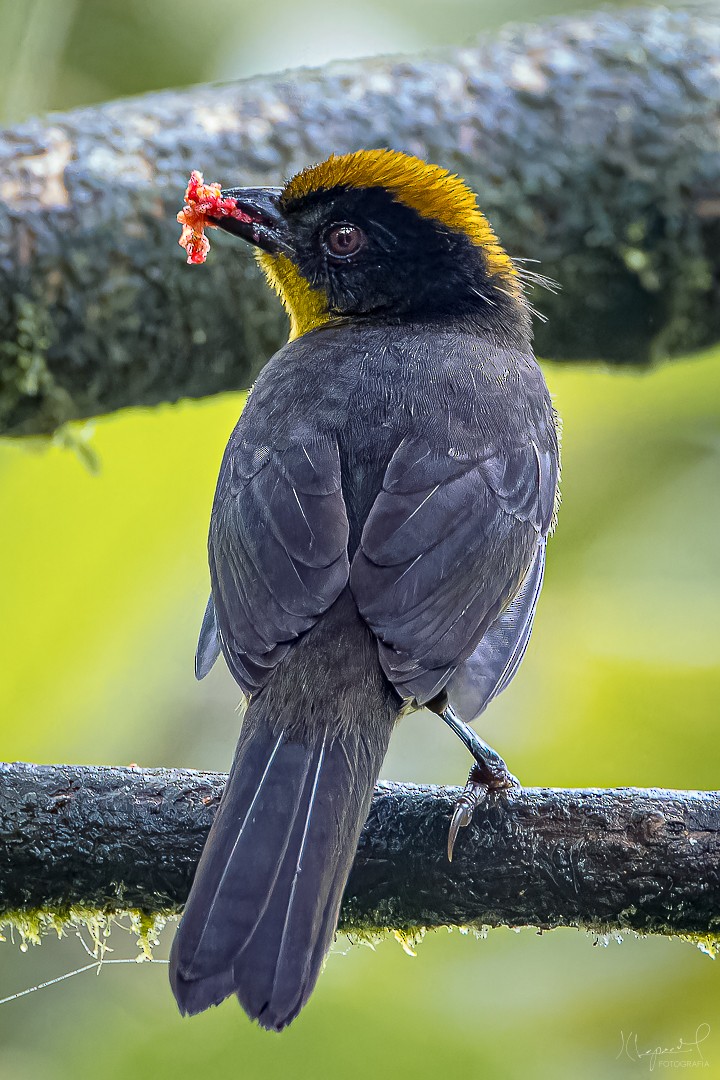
(237, 870)
(264, 905)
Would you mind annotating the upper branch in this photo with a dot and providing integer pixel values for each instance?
(112, 839)
(592, 142)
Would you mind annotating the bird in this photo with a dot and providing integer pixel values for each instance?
(376, 545)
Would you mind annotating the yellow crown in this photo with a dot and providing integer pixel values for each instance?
(428, 189)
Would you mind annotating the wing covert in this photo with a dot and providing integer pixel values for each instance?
(444, 550)
(278, 550)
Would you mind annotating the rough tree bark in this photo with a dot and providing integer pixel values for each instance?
(112, 838)
(593, 142)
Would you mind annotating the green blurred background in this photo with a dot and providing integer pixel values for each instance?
(105, 581)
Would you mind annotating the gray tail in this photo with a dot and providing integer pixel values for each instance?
(264, 904)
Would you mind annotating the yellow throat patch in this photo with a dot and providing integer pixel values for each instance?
(307, 308)
(433, 192)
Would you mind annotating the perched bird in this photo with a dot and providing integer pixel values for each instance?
(377, 543)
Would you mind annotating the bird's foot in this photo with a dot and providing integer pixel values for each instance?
(488, 775)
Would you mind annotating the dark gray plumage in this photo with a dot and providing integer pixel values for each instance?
(441, 515)
(377, 534)
(493, 664)
(208, 646)
(263, 912)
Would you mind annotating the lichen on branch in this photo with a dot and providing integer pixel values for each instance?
(110, 839)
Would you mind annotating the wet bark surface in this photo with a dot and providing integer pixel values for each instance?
(617, 859)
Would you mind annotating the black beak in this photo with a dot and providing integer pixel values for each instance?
(267, 228)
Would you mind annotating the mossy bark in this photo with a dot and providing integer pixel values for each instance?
(109, 839)
(592, 142)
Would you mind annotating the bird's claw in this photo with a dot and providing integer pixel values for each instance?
(483, 779)
(488, 774)
(471, 797)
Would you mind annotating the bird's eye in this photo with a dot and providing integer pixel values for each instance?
(343, 240)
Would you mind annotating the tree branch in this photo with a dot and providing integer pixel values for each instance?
(111, 838)
(591, 140)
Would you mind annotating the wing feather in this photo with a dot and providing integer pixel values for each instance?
(489, 669)
(278, 550)
(444, 550)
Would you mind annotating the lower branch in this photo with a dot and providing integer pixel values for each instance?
(623, 858)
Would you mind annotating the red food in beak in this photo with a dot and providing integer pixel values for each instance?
(203, 202)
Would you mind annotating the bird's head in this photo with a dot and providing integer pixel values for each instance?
(379, 235)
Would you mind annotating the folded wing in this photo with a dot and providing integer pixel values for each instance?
(445, 549)
(493, 664)
(278, 554)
